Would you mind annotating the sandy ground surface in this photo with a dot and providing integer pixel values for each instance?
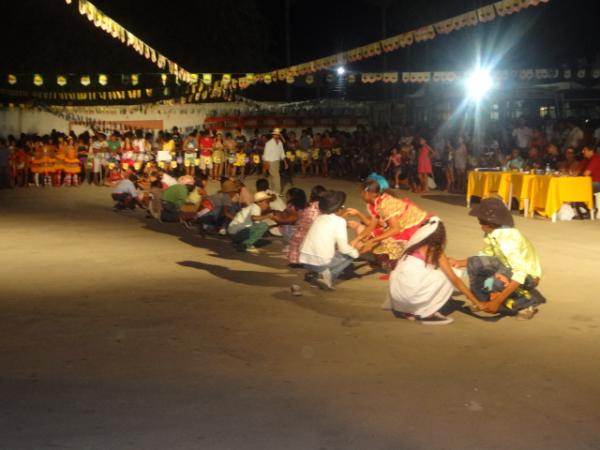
(117, 332)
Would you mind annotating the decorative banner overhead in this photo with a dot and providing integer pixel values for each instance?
(117, 31)
(118, 88)
(471, 18)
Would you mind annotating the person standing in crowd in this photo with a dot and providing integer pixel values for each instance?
(574, 135)
(395, 163)
(522, 135)
(218, 156)
(327, 152)
(316, 154)
(461, 158)
(424, 169)
(305, 144)
(273, 156)
(206, 147)
(449, 163)
(190, 152)
(71, 167)
(19, 164)
(4, 164)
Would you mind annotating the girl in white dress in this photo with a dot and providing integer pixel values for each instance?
(423, 281)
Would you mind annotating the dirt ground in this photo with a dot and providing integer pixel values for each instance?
(117, 332)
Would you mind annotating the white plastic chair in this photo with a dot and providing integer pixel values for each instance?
(596, 206)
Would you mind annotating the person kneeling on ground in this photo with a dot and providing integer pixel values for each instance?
(173, 198)
(325, 251)
(423, 280)
(126, 193)
(251, 223)
(507, 271)
(220, 208)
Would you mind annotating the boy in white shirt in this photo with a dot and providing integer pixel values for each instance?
(325, 250)
(250, 223)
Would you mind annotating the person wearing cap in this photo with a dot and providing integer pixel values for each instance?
(173, 198)
(506, 272)
(262, 184)
(325, 252)
(251, 223)
(272, 157)
(423, 280)
(223, 206)
(196, 201)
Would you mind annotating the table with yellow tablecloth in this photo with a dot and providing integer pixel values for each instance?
(549, 193)
(544, 194)
(516, 185)
(484, 184)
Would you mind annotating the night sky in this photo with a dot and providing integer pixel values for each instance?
(248, 36)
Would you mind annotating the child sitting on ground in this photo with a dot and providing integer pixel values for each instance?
(507, 271)
(423, 280)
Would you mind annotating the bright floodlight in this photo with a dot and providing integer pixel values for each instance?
(341, 71)
(479, 83)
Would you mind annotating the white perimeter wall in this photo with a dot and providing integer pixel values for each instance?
(16, 121)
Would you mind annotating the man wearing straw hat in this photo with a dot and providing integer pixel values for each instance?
(272, 157)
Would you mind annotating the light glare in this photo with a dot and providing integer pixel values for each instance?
(479, 83)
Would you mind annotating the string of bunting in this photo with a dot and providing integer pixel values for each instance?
(216, 91)
(129, 95)
(483, 14)
(499, 75)
(89, 122)
(117, 31)
(203, 86)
